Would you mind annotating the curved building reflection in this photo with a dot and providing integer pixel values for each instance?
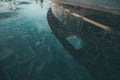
(94, 44)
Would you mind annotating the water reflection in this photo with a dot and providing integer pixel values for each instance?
(76, 42)
(99, 52)
(39, 2)
(29, 51)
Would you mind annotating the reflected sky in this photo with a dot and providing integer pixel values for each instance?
(76, 42)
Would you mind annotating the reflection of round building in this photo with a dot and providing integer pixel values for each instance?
(100, 53)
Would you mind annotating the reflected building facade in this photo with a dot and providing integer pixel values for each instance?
(99, 51)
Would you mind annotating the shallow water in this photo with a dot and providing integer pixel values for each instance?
(30, 51)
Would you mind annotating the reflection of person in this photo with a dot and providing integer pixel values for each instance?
(36, 1)
(40, 2)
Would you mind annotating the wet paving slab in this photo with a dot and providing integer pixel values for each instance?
(30, 51)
